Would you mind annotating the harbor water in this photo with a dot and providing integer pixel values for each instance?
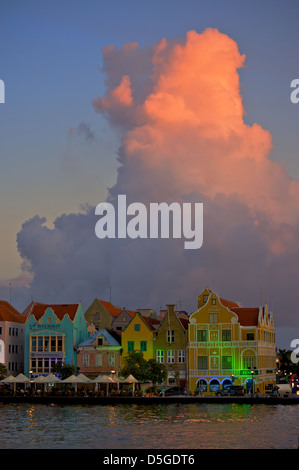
(158, 426)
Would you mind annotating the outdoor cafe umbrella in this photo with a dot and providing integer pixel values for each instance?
(15, 380)
(74, 379)
(51, 378)
(10, 380)
(104, 379)
(40, 380)
(131, 380)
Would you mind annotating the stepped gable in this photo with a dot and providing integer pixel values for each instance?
(38, 309)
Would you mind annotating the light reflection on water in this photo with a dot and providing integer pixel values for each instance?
(180, 426)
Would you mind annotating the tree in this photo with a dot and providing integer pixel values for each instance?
(63, 370)
(156, 372)
(136, 365)
(3, 371)
(142, 369)
(285, 363)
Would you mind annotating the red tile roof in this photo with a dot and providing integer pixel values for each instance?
(9, 313)
(247, 316)
(37, 310)
(114, 311)
(229, 304)
(152, 323)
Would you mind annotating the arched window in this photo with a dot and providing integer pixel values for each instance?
(214, 385)
(202, 383)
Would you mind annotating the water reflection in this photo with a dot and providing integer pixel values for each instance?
(163, 426)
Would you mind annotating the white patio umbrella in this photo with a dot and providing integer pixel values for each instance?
(10, 380)
(131, 380)
(41, 379)
(51, 378)
(101, 379)
(84, 378)
(21, 378)
(74, 379)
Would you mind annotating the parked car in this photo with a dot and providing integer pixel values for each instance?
(231, 390)
(175, 391)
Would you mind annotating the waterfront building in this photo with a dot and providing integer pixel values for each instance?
(171, 338)
(229, 344)
(101, 314)
(139, 336)
(52, 334)
(12, 330)
(100, 354)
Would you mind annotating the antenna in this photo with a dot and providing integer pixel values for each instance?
(110, 287)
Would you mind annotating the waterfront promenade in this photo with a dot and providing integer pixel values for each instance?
(115, 400)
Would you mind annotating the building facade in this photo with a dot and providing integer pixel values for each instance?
(100, 354)
(52, 334)
(12, 333)
(171, 339)
(101, 314)
(229, 344)
(139, 336)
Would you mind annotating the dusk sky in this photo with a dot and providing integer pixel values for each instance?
(162, 101)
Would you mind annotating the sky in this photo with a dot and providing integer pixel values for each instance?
(185, 101)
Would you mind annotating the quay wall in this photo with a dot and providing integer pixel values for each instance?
(79, 400)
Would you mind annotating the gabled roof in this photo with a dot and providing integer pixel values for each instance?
(152, 323)
(106, 335)
(114, 311)
(184, 322)
(247, 316)
(9, 313)
(38, 309)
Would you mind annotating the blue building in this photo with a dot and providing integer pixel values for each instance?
(52, 334)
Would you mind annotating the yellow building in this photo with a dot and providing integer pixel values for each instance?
(139, 336)
(229, 344)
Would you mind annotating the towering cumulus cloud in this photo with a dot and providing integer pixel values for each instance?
(184, 138)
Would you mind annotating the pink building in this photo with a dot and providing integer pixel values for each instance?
(12, 329)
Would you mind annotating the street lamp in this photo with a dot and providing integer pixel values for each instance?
(252, 382)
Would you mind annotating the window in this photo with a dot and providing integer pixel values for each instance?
(160, 356)
(59, 343)
(47, 340)
(99, 359)
(111, 359)
(213, 317)
(40, 343)
(181, 356)
(213, 301)
(48, 320)
(100, 341)
(137, 327)
(227, 362)
(143, 345)
(130, 345)
(202, 362)
(53, 343)
(170, 336)
(248, 362)
(201, 335)
(250, 336)
(171, 378)
(205, 298)
(170, 357)
(85, 359)
(33, 343)
(226, 335)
